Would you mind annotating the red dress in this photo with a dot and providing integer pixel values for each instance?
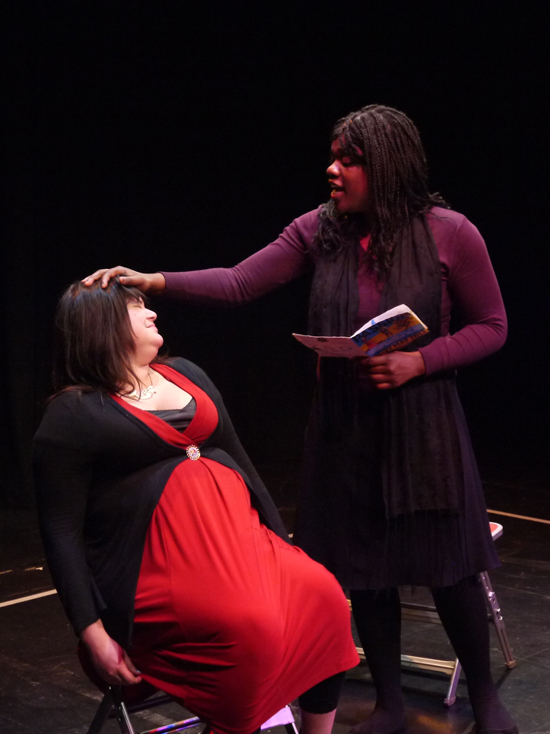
(229, 618)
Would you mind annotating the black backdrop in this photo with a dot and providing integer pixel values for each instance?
(167, 135)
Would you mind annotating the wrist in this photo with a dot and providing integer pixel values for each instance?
(158, 283)
(420, 365)
(92, 633)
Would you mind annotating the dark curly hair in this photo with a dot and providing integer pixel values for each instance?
(395, 163)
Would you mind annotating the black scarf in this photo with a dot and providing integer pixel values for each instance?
(421, 460)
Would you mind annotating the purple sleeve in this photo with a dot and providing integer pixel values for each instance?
(474, 291)
(280, 262)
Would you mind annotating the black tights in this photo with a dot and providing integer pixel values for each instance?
(463, 612)
(323, 697)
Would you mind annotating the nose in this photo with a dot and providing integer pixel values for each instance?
(333, 171)
(151, 315)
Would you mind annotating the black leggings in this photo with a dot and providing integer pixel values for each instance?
(323, 697)
(463, 611)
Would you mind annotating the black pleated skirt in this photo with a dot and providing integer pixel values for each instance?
(342, 520)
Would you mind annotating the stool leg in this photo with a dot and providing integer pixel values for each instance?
(496, 616)
(102, 713)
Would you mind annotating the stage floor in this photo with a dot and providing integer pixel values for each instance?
(42, 688)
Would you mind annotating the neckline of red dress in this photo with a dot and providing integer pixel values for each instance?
(163, 429)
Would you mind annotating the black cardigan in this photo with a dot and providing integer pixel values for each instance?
(99, 474)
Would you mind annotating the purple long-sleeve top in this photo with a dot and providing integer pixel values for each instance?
(468, 285)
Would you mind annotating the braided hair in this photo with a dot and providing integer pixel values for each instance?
(388, 144)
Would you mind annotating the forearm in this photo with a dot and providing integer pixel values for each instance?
(213, 287)
(235, 286)
(62, 475)
(474, 293)
(70, 573)
(467, 346)
(280, 262)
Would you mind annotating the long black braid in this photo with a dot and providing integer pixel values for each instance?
(397, 178)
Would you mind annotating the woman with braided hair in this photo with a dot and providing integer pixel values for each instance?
(391, 495)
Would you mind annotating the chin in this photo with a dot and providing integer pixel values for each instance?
(344, 209)
(157, 340)
(154, 350)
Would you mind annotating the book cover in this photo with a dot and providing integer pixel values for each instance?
(387, 332)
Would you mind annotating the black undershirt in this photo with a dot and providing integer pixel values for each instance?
(178, 418)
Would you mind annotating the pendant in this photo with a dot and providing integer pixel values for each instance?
(145, 394)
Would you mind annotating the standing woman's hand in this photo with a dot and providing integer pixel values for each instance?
(394, 369)
(108, 658)
(152, 283)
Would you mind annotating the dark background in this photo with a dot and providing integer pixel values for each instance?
(168, 135)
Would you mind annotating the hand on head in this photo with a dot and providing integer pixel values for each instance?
(152, 283)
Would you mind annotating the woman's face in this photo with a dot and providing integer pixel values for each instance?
(348, 181)
(147, 339)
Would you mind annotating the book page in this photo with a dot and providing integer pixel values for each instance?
(331, 346)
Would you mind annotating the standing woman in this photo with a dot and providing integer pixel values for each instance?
(391, 492)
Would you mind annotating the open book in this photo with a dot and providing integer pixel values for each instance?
(391, 330)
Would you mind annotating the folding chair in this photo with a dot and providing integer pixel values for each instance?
(119, 702)
(113, 706)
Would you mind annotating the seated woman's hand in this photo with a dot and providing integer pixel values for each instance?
(394, 369)
(108, 658)
(151, 283)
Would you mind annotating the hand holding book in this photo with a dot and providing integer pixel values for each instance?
(394, 369)
(377, 343)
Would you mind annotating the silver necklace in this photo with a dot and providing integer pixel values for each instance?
(145, 393)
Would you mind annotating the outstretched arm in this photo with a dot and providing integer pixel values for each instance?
(280, 262)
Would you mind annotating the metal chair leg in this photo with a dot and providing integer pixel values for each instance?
(102, 713)
(453, 685)
(121, 713)
(496, 616)
(285, 718)
(113, 707)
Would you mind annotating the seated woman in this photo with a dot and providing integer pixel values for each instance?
(161, 538)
